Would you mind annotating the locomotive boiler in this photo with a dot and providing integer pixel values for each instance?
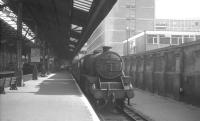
(100, 76)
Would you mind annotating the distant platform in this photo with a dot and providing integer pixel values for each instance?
(160, 108)
(53, 98)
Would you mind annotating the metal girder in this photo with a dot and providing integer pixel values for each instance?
(79, 17)
(72, 42)
(9, 33)
(55, 11)
(78, 21)
(55, 18)
(27, 32)
(2, 6)
(75, 34)
(80, 14)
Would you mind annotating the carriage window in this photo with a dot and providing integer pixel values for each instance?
(150, 39)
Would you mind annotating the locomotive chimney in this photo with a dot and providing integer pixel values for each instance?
(106, 48)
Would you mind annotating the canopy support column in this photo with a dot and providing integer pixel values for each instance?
(19, 71)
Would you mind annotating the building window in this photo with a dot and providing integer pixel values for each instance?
(130, 6)
(188, 39)
(180, 40)
(165, 40)
(155, 40)
(150, 39)
(197, 37)
(174, 41)
(176, 36)
(161, 26)
(174, 23)
(196, 23)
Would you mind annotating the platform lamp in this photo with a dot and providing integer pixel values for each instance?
(127, 37)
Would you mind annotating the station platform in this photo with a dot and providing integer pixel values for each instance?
(158, 108)
(53, 98)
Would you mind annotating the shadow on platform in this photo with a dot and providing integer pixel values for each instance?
(59, 84)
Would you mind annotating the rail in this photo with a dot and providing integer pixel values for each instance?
(128, 113)
(135, 115)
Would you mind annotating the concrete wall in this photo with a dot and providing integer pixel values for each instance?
(177, 25)
(126, 17)
(112, 31)
(96, 40)
(172, 72)
(144, 15)
(140, 43)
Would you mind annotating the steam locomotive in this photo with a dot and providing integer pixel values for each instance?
(100, 76)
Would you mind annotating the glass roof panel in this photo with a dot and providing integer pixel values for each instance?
(84, 5)
(73, 39)
(81, 8)
(71, 49)
(84, 1)
(10, 18)
(1, 2)
(76, 27)
(70, 45)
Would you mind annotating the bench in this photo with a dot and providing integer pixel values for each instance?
(3, 78)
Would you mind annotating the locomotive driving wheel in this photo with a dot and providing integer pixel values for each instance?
(120, 103)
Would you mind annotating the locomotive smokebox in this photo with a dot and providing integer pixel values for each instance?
(106, 48)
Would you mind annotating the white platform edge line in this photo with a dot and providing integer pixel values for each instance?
(86, 102)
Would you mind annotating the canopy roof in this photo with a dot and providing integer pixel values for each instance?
(65, 24)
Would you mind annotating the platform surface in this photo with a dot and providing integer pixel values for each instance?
(53, 98)
(161, 108)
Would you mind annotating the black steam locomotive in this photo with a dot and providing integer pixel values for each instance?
(100, 76)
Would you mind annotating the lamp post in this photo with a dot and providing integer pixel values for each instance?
(127, 37)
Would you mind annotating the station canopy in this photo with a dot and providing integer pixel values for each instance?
(65, 25)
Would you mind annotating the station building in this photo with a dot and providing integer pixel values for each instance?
(133, 18)
(149, 40)
(167, 32)
(127, 18)
(177, 25)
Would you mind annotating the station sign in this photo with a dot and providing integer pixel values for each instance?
(35, 55)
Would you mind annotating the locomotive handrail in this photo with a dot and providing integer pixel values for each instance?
(122, 81)
(99, 83)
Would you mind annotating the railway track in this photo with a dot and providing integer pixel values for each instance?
(134, 115)
(127, 114)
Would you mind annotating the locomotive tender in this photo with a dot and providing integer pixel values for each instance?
(100, 76)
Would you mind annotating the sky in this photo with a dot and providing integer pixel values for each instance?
(177, 9)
